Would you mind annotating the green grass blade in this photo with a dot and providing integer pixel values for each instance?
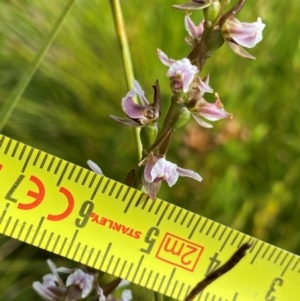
(12, 101)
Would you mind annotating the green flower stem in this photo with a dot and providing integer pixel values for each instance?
(122, 37)
(12, 101)
(176, 105)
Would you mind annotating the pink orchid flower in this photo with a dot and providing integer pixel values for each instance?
(241, 34)
(159, 170)
(143, 114)
(211, 111)
(195, 32)
(80, 284)
(181, 71)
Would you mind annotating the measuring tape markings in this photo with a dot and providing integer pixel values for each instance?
(202, 226)
(43, 218)
(142, 269)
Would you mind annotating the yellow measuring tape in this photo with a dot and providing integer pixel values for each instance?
(71, 211)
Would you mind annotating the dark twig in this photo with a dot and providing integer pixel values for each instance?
(231, 13)
(163, 142)
(111, 286)
(130, 178)
(231, 263)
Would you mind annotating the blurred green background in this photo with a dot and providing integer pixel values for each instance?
(250, 165)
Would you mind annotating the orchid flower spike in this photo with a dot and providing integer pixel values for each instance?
(240, 34)
(158, 170)
(140, 115)
(181, 72)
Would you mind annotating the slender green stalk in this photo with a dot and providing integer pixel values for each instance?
(12, 101)
(175, 106)
(122, 37)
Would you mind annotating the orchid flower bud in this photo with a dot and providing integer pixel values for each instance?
(211, 13)
(214, 41)
(148, 135)
(182, 117)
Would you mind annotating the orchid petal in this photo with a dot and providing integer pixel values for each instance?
(53, 269)
(66, 270)
(194, 31)
(49, 280)
(239, 50)
(149, 165)
(190, 27)
(126, 295)
(203, 85)
(157, 170)
(165, 170)
(125, 121)
(44, 292)
(164, 58)
(211, 111)
(185, 70)
(151, 188)
(82, 280)
(189, 173)
(94, 167)
(245, 34)
(132, 109)
(137, 90)
(172, 178)
(201, 122)
(51, 266)
(100, 292)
